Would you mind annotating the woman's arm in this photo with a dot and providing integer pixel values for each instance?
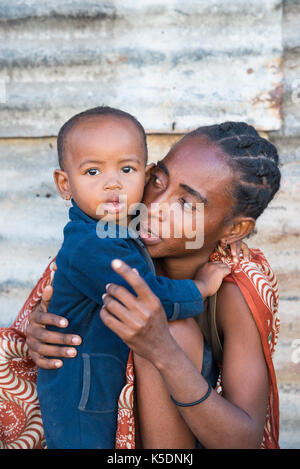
(234, 420)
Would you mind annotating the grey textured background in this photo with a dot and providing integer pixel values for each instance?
(175, 65)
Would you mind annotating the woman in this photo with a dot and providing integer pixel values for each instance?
(234, 172)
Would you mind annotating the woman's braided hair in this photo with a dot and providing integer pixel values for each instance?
(254, 158)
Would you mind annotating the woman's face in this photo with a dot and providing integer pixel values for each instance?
(188, 198)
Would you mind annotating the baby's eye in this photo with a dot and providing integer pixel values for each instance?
(128, 169)
(92, 171)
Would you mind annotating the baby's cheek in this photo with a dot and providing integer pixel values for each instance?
(135, 192)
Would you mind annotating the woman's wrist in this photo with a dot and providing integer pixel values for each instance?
(183, 380)
(164, 355)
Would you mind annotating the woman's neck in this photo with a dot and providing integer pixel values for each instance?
(182, 267)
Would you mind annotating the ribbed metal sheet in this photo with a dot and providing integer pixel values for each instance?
(175, 65)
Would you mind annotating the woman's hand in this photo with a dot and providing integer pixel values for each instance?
(38, 337)
(140, 321)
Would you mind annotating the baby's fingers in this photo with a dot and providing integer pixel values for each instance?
(235, 249)
(245, 251)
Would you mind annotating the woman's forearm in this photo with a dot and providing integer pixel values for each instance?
(216, 422)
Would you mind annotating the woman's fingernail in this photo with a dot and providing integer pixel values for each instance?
(107, 287)
(116, 263)
(58, 364)
(104, 295)
(63, 322)
(76, 340)
(71, 352)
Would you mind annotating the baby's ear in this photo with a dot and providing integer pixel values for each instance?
(62, 183)
(148, 169)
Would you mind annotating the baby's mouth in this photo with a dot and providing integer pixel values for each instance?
(114, 204)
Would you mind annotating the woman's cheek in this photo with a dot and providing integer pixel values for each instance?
(181, 222)
(193, 229)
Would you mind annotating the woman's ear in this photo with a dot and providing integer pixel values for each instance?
(62, 183)
(148, 169)
(241, 228)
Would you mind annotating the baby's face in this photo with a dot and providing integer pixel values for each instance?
(105, 163)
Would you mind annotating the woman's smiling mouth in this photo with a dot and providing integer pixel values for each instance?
(148, 236)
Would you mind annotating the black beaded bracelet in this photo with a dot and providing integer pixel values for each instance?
(190, 404)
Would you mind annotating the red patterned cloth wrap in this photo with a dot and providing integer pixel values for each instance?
(125, 437)
(258, 284)
(20, 417)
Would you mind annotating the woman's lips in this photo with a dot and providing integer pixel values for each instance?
(148, 236)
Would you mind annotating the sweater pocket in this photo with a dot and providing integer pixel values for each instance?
(103, 378)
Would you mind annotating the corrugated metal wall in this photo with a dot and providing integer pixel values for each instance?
(175, 65)
(161, 60)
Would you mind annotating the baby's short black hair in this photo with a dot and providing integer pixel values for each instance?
(96, 111)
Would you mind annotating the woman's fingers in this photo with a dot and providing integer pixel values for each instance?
(46, 296)
(121, 294)
(40, 346)
(118, 310)
(42, 317)
(46, 363)
(114, 324)
(45, 336)
(46, 350)
(135, 281)
(43, 343)
(36, 329)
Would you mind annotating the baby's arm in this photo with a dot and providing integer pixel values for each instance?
(91, 271)
(181, 296)
(210, 277)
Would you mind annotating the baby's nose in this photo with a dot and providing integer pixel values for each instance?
(112, 184)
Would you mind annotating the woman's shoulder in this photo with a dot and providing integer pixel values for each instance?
(251, 290)
(231, 306)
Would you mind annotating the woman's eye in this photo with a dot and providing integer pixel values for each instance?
(155, 180)
(92, 172)
(128, 169)
(187, 205)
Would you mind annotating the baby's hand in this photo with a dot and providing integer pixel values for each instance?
(210, 277)
(238, 248)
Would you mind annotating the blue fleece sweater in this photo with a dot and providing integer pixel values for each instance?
(79, 400)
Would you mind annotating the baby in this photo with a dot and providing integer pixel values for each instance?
(102, 156)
